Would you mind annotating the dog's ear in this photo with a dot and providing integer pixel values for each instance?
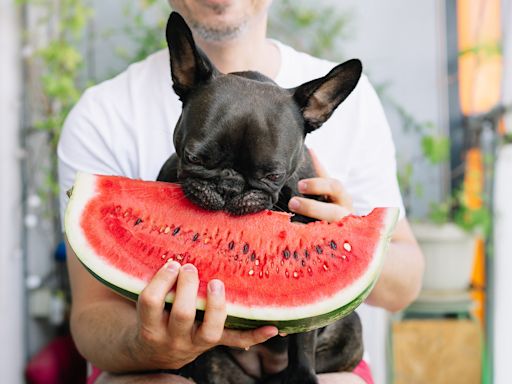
(189, 65)
(319, 98)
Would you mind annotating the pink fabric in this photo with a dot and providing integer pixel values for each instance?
(364, 372)
(57, 363)
(93, 374)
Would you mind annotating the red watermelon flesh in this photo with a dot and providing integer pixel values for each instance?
(296, 276)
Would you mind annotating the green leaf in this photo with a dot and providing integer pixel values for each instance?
(436, 149)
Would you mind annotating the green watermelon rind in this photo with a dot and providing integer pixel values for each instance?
(286, 326)
(240, 316)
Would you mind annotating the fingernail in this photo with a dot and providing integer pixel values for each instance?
(271, 332)
(303, 186)
(294, 204)
(172, 266)
(282, 334)
(189, 268)
(216, 287)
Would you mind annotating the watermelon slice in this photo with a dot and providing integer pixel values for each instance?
(295, 276)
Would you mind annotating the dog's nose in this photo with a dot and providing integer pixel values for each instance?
(229, 187)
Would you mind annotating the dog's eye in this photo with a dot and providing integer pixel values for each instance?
(193, 159)
(274, 177)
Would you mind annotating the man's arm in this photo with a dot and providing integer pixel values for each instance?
(117, 335)
(400, 280)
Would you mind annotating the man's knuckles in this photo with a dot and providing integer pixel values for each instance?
(181, 315)
(150, 299)
(208, 338)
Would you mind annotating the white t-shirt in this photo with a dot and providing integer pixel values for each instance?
(124, 126)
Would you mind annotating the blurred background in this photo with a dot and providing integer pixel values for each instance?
(443, 70)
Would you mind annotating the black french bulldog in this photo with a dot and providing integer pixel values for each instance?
(240, 148)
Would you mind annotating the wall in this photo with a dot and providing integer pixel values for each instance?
(402, 46)
(11, 293)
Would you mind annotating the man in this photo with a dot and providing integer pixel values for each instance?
(124, 126)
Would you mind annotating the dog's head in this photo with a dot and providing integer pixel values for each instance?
(240, 137)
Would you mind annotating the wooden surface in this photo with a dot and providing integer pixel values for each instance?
(436, 352)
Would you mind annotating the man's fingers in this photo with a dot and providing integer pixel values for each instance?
(210, 331)
(332, 188)
(318, 209)
(151, 300)
(246, 339)
(183, 312)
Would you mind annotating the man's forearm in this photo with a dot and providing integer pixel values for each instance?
(401, 276)
(339, 378)
(105, 336)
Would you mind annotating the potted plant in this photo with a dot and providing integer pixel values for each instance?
(447, 234)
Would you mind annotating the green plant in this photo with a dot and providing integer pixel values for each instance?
(453, 209)
(54, 83)
(464, 206)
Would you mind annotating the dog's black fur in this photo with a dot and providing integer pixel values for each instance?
(240, 148)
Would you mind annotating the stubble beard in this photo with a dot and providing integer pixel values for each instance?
(218, 34)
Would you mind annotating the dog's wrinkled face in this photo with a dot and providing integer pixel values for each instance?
(240, 137)
(238, 141)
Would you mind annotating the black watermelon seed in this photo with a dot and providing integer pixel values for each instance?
(253, 256)
(138, 221)
(295, 255)
(303, 262)
(286, 254)
(176, 231)
(333, 244)
(195, 237)
(231, 245)
(319, 249)
(306, 253)
(246, 249)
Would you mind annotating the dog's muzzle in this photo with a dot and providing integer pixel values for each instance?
(226, 194)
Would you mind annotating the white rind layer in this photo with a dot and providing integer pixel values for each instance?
(84, 190)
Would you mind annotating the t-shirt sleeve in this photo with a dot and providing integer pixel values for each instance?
(372, 178)
(84, 145)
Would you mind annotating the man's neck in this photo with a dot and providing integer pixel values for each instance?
(250, 51)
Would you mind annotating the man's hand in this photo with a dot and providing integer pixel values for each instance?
(173, 339)
(338, 205)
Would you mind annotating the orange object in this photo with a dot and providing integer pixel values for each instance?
(480, 77)
(473, 180)
(472, 199)
(480, 60)
(478, 273)
(478, 310)
(478, 281)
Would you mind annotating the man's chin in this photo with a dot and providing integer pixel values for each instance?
(218, 32)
